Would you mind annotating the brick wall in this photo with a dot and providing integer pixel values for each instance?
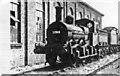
(32, 58)
(18, 55)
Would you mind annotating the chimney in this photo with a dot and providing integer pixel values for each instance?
(58, 13)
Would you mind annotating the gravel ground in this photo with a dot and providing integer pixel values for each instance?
(22, 69)
(112, 69)
(88, 68)
(92, 66)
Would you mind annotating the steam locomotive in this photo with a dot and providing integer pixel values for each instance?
(67, 42)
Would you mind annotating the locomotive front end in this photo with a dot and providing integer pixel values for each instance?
(59, 36)
(57, 33)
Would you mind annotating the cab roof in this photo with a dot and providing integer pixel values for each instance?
(84, 22)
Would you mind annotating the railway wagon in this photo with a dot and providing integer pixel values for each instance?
(112, 38)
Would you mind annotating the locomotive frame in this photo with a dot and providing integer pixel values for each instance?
(68, 42)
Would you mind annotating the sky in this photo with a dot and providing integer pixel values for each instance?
(107, 7)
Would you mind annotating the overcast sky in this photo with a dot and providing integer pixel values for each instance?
(110, 10)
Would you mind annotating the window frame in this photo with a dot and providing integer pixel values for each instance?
(39, 29)
(71, 11)
(15, 6)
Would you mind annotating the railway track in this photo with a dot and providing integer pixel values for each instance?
(101, 68)
(95, 69)
(65, 69)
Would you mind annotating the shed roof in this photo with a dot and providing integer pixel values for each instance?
(84, 22)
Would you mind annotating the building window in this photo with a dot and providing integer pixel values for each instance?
(39, 21)
(93, 19)
(15, 27)
(12, 18)
(78, 15)
(87, 16)
(70, 11)
(81, 15)
(97, 27)
(98, 19)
